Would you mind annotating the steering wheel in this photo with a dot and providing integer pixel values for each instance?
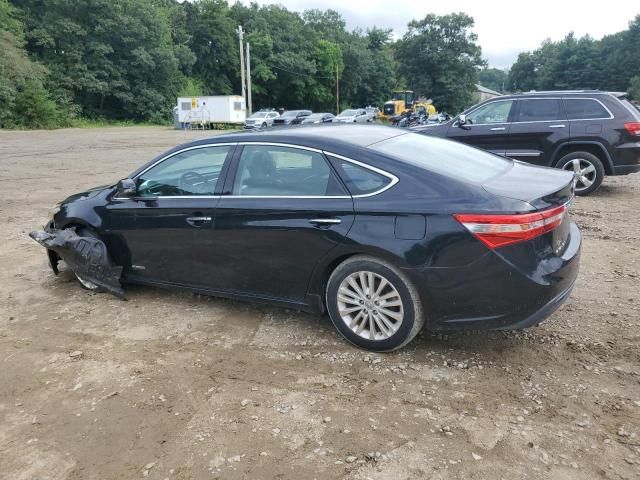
(193, 182)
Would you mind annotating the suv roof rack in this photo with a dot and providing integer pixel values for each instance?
(544, 92)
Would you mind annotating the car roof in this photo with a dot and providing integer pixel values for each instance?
(546, 93)
(321, 136)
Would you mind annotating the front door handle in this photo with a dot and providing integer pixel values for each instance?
(556, 126)
(498, 129)
(198, 221)
(324, 222)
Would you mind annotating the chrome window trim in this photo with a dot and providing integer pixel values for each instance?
(384, 173)
(195, 147)
(522, 154)
(167, 157)
(611, 116)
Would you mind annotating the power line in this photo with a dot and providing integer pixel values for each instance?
(301, 74)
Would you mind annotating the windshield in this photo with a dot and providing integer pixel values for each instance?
(445, 157)
(349, 113)
(258, 115)
(291, 113)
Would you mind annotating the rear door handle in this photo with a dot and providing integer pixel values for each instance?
(324, 222)
(556, 126)
(198, 221)
(498, 129)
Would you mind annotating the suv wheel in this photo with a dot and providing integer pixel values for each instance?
(373, 304)
(588, 169)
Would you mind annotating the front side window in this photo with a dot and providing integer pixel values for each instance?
(539, 110)
(283, 172)
(193, 172)
(584, 109)
(494, 112)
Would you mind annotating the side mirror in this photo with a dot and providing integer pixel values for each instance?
(462, 119)
(126, 187)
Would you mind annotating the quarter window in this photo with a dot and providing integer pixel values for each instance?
(539, 110)
(584, 109)
(360, 180)
(494, 112)
(193, 172)
(284, 171)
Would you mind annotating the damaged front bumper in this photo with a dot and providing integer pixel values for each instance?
(86, 256)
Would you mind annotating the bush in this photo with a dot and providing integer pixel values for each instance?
(34, 109)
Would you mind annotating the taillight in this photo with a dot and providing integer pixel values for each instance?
(633, 128)
(501, 230)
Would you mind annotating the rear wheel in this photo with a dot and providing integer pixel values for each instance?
(587, 168)
(373, 304)
(85, 283)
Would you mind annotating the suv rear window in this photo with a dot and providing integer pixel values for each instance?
(539, 110)
(584, 109)
(445, 157)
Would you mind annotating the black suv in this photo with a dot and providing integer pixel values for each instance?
(590, 132)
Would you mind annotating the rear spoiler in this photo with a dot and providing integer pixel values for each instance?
(620, 95)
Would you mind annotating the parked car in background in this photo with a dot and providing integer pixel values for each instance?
(372, 113)
(587, 132)
(291, 117)
(352, 115)
(261, 119)
(386, 230)
(319, 118)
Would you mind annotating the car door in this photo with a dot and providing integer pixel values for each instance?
(486, 127)
(282, 209)
(538, 127)
(164, 227)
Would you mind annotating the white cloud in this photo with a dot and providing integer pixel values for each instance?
(503, 28)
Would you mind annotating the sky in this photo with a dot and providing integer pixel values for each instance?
(504, 28)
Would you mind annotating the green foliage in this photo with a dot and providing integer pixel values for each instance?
(34, 109)
(493, 78)
(634, 88)
(439, 58)
(580, 63)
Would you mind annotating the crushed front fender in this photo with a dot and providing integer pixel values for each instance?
(86, 256)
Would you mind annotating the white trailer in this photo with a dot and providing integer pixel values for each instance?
(211, 112)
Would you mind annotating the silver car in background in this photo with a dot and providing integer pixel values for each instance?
(261, 119)
(352, 115)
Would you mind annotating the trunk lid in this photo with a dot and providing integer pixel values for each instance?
(540, 187)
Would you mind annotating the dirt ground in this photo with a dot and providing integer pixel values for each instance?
(173, 386)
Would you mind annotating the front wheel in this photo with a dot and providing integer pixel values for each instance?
(373, 304)
(587, 168)
(84, 282)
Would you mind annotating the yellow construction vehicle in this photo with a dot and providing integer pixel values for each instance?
(401, 101)
(405, 101)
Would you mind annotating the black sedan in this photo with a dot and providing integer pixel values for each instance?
(385, 230)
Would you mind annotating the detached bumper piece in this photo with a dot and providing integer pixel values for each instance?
(86, 256)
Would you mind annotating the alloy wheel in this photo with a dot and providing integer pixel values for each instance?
(584, 171)
(370, 305)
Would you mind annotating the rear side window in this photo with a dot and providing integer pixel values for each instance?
(444, 157)
(584, 109)
(539, 110)
(360, 180)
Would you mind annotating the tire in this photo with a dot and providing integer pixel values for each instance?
(264, 125)
(84, 283)
(590, 168)
(402, 319)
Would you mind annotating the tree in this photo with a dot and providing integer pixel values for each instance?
(634, 88)
(439, 57)
(494, 78)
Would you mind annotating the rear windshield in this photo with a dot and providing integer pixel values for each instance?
(634, 108)
(445, 157)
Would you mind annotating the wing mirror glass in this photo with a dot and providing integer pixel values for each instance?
(126, 187)
(462, 119)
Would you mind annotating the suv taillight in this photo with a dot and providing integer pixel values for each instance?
(633, 128)
(500, 230)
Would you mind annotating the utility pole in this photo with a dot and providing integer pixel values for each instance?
(337, 91)
(241, 35)
(249, 78)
